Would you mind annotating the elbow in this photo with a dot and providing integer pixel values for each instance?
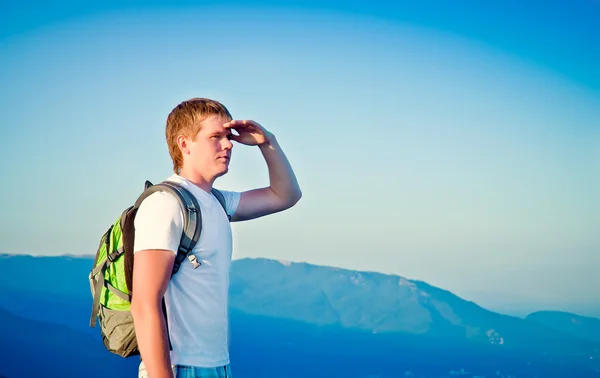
(298, 196)
(294, 198)
(285, 200)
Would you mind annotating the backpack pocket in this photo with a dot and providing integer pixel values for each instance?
(118, 332)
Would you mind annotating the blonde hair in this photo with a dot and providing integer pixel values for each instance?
(185, 119)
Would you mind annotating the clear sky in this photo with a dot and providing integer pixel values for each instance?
(458, 145)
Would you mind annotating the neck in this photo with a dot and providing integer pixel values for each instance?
(197, 179)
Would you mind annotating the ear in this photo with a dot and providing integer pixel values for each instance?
(182, 142)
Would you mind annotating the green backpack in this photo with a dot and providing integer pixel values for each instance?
(112, 273)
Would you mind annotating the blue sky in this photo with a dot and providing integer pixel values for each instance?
(455, 145)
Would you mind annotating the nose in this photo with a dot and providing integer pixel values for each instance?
(227, 145)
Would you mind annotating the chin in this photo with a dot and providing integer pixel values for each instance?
(222, 172)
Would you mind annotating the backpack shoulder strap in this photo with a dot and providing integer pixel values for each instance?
(192, 217)
(221, 198)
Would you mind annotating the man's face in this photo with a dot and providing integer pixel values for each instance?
(210, 150)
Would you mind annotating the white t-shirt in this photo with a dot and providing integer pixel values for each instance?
(196, 299)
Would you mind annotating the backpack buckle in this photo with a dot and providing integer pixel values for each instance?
(114, 255)
(194, 261)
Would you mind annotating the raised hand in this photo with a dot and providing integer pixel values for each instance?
(249, 132)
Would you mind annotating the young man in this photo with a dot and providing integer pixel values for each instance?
(199, 135)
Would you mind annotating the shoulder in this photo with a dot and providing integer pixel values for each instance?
(159, 201)
(158, 223)
(159, 204)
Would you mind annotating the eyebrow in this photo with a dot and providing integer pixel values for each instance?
(219, 133)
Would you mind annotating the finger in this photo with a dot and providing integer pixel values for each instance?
(239, 123)
(234, 123)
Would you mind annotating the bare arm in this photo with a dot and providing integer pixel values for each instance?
(151, 274)
(283, 191)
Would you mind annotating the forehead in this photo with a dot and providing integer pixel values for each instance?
(214, 124)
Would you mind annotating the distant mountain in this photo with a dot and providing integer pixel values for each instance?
(382, 303)
(509, 304)
(316, 321)
(64, 275)
(580, 326)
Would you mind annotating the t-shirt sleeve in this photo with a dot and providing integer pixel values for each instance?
(232, 200)
(158, 223)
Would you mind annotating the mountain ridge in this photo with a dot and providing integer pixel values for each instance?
(88, 259)
(380, 303)
(585, 327)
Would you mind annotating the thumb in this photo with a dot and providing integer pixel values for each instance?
(236, 138)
